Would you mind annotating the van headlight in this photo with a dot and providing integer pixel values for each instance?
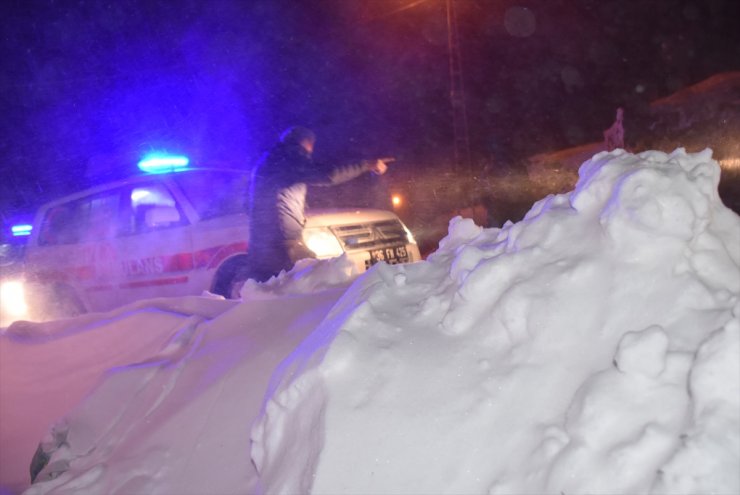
(12, 301)
(323, 242)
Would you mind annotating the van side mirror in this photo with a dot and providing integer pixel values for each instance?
(161, 216)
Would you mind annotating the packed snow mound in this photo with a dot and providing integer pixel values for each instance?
(308, 276)
(592, 347)
(47, 368)
(178, 419)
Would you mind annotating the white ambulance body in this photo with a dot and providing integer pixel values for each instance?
(171, 234)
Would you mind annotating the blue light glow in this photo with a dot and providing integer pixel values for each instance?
(162, 164)
(21, 230)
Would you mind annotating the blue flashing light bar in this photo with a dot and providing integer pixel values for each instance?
(21, 230)
(162, 164)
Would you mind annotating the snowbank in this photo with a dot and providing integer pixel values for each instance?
(591, 348)
(46, 369)
(175, 419)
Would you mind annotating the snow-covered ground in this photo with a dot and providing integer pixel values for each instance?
(593, 347)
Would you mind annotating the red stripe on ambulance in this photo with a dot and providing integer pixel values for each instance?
(156, 282)
(208, 258)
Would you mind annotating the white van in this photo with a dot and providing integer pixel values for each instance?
(173, 234)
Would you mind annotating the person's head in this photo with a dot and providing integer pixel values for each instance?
(301, 136)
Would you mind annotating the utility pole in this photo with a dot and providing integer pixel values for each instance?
(457, 94)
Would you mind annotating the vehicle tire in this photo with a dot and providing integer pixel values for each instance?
(230, 277)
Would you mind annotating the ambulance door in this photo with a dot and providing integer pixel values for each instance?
(98, 248)
(75, 253)
(156, 252)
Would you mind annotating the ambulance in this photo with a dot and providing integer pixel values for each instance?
(170, 232)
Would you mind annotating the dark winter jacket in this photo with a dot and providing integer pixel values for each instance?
(278, 201)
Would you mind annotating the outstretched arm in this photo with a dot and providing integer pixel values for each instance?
(329, 176)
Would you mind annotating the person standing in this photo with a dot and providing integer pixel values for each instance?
(277, 200)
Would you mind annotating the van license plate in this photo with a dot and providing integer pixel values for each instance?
(391, 255)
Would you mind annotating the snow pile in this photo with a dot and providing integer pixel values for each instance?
(182, 381)
(590, 348)
(307, 276)
(46, 369)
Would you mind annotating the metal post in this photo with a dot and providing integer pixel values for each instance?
(457, 94)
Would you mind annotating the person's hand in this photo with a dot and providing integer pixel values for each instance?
(381, 165)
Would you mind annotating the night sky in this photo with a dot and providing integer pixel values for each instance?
(87, 84)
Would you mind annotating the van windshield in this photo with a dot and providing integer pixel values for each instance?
(215, 193)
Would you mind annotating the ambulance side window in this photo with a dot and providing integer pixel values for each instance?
(152, 208)
(102, 214)
(215, 194)
(60, 226)
(87, 219)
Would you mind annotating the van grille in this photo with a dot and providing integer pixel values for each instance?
(371, 235)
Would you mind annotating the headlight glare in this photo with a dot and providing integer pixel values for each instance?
(322, 242)
(12, 300)
(409, 235)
